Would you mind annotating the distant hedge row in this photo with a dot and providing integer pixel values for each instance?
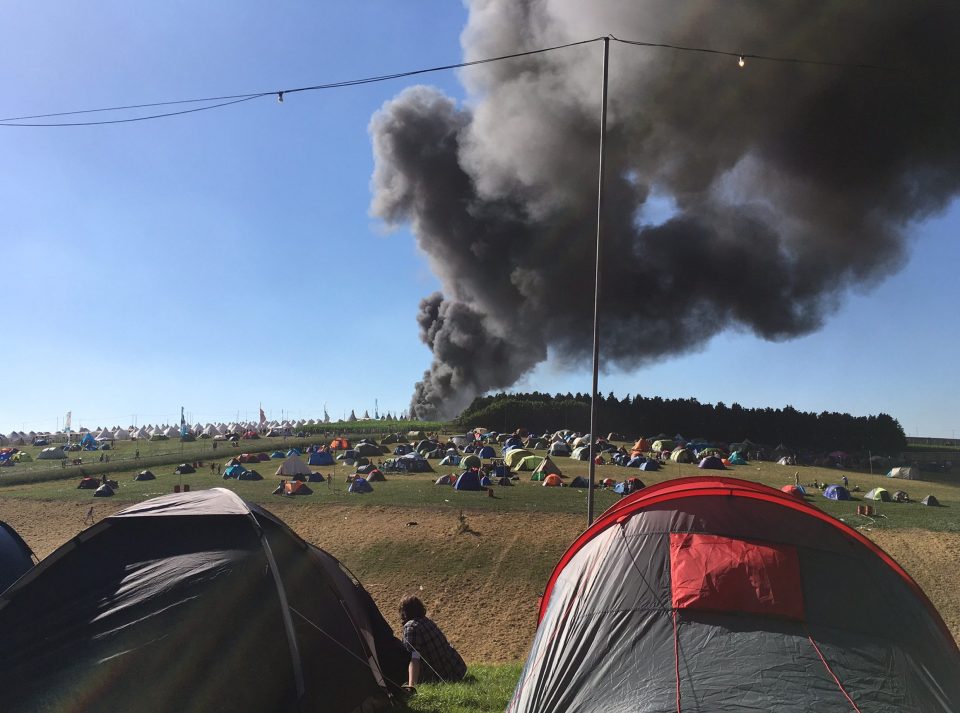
(636, 416)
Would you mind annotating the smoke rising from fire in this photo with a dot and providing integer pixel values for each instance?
(793, 183)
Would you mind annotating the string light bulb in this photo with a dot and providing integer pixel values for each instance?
(280, 95)
(740, 64)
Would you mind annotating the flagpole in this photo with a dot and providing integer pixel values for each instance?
(596, 291)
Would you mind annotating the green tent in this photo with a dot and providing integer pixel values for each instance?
(538, 475)
(663, 444)
(681, 455)
(879, 494)
(470, 461)
(530, 463)
(514, 456)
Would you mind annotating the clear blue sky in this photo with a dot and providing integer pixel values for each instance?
(227, 258)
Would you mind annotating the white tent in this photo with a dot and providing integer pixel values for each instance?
(52, 453)
(171, 432)
(104, 435)
(121, 435)
(293, 466)
(905, 472)
(211, 430)
(141, 434)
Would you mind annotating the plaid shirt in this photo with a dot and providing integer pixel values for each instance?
(438, 656)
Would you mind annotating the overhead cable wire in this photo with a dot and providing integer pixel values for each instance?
(229, 100)
(238, 98)
(748, 55)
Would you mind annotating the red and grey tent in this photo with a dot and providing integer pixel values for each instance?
(720, 595)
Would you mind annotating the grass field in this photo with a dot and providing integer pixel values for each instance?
(33, 480)
(464, 547)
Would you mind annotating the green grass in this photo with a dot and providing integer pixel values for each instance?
(418, 490)
(485, 689)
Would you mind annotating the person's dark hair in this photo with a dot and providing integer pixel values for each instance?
(412, 608)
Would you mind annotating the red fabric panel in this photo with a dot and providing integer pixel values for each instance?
(721, 574)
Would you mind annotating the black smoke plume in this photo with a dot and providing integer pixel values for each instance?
(792, 183)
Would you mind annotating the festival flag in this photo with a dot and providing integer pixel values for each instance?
(67, 422)
(263, 416)
(184, 430)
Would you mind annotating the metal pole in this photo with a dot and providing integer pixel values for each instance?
(596, 291)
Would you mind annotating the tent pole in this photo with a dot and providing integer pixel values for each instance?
(596, 291)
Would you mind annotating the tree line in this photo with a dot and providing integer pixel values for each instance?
(651, 416)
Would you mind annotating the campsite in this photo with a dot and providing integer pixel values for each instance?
(478, 564)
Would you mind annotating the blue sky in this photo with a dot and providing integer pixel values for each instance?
(227, 258)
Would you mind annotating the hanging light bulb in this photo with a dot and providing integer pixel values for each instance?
(280, 94)
(740, 62)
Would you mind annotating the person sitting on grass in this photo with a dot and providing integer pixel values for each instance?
(432, 658)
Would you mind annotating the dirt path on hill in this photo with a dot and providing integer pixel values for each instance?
(480, 585)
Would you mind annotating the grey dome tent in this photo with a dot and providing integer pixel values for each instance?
(193, 602)
(711, 594)
(15, 556)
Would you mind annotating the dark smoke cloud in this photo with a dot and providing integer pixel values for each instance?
(792, 183)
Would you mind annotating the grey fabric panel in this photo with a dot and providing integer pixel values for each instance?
(215, 501)
(728, 665)
(617, 662)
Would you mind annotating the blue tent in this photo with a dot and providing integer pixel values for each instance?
(737, 459)
(649, 465)
(636, 462)
(450, 460)
(360, 485)
(512, 442)
(234, 471)
(88, 440)
(402, 449)
(580, 482)
(485, 481)
(249, 475)
(487, 452)
(315, 478)
(712, 463)
(320, 459)
(836, 492)
(469, 480)
(293, 452)
(277, 454)
(15, 556)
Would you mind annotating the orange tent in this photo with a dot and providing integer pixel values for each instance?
(640, 447)
(340, 444)
(552, 481)
(295, 487)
